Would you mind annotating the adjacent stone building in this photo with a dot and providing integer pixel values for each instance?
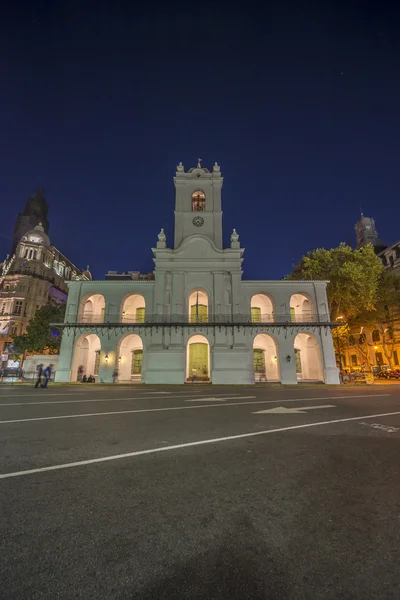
(373, 347)
(34, 272)
(195, 318)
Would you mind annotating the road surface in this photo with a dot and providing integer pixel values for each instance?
(199, 492)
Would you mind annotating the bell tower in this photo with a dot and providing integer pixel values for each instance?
(198, 203)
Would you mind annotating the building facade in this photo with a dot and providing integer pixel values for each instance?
(195, 318)
(378, 345)
(34, 273)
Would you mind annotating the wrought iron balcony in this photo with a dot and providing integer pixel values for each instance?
(267, 320)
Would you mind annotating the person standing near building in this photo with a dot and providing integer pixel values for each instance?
(47, 375)
(39, 373)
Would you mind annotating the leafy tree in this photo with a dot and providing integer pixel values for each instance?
(353, 276)
(362, 292)
(385, 318)
(40, 336)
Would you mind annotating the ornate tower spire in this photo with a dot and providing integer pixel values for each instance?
(35, 212)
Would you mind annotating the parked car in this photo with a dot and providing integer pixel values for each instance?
(386, 372)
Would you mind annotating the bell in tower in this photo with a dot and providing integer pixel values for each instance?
(198, 203)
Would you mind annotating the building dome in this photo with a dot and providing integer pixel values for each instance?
(37, 236)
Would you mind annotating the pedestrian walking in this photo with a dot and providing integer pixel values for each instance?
(80, 373)
(47, 375)
(115, 376)
(39, 374)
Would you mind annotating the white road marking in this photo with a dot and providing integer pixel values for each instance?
(385, 428)
(81, 401)
(213, 399)
(229, 438)
(165, 409)
(282, 410)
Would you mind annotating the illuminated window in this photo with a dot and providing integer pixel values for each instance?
(198, 201)
(18, 307)
(376, 336)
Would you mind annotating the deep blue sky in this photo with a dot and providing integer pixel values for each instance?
(298, 103)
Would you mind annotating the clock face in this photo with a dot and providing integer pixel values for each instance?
(198, 221)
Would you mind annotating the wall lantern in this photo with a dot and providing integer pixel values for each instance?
(375, 347)
(288, 358)
(275, 359)
(106, 358)
(119, 358)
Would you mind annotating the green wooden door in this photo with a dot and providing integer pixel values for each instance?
(199, 313)
(198, 360)
(140, 315)
(137, 358)
(96, 363)
(298, 361)
(255, 314)
(259, 361)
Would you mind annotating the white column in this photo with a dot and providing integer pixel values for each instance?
(331, 372)
(63, 372)
(287, 359)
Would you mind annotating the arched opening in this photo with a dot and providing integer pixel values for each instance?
(301, 309)
(198, 307)
(266, 367)
(308, 357)
(198, 359)
(376, 336)
(262, 309)
(130, 358)
(86, 357)
(93, 309)
(133, 309)
(198, 201)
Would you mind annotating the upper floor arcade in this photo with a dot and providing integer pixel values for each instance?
(192, 299)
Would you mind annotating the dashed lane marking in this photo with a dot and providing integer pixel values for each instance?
(165, 409)
(92, 461)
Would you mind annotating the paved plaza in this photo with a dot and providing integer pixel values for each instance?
(198, 491)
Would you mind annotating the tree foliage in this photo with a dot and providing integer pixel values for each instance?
(354, 278)
(40, 336)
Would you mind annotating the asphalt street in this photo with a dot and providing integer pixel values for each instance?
(189, 492)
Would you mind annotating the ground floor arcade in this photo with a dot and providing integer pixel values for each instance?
(198, 355)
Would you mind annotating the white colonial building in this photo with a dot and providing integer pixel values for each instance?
(196, 319)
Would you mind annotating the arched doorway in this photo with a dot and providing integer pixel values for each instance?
(266, 367)
(301, 309)
(198, 307)
(133, 309)
(130, 358)
(262, 309)
(308, 358)
(86, 357)
(93, 309)
(198, 359)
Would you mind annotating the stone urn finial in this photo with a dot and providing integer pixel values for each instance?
(235, 239)
(162, 240)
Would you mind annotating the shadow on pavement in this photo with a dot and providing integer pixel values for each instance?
(243, 567)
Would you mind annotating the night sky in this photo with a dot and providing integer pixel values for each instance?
(298, 103)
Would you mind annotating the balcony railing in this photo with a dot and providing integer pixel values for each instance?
(175, 319)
